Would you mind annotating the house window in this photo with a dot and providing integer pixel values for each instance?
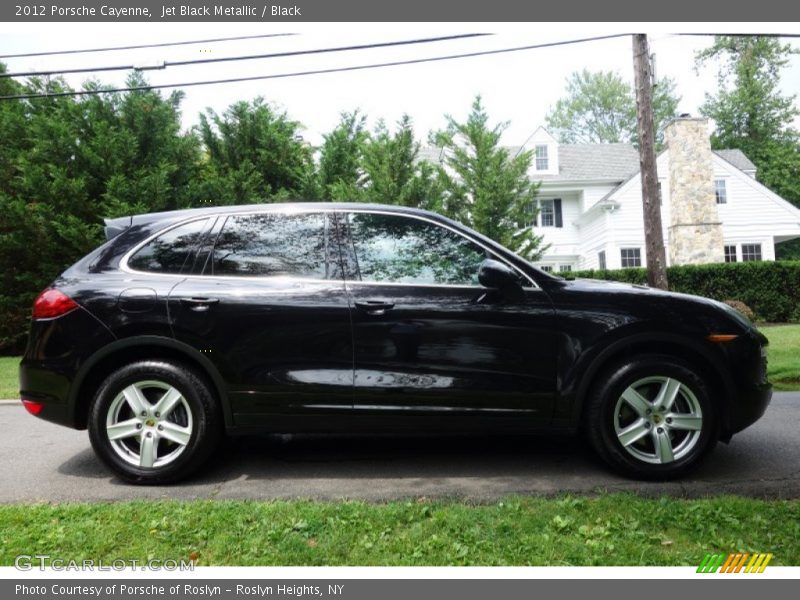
(730, 253)
(631, 257)
(721, 191)
(601, 260)
(751, 252)
(565, 268)
(542, 164)
(660, 197)
(547, 213)
(550, 213)
(546, 268)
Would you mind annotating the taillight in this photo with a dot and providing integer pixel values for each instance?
(32, 406)
(52, 303)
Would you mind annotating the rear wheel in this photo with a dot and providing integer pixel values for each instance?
(652, 417)
(154, 422)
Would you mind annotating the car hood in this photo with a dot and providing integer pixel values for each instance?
(688, 301)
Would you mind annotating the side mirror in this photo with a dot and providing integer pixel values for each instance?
(497, 276)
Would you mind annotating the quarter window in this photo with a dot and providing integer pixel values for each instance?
(730, 254)
(751, 252)
(631, 257)
(397, 249)
(273, 244)
(169, 252)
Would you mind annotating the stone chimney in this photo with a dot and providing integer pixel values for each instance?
(695, 231)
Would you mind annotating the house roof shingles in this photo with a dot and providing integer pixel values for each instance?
(737, 158)
(593, 162)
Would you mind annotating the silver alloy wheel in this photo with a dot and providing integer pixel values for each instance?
(149, 424)
(658, 420)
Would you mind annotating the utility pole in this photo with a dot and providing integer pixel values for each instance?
(653, 233)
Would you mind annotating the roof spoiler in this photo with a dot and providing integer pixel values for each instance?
(116, 226)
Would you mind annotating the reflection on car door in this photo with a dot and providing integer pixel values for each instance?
(270, 310)
(428, 338)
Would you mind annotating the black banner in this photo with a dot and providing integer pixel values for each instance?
(728, 587)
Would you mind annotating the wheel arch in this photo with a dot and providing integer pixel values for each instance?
(707, 365)
(147, 347)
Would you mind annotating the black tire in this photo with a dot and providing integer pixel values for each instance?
(196, 413)
(607, 416)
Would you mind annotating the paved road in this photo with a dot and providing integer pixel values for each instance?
(44, 462)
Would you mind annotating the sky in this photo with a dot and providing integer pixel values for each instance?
(518, 87)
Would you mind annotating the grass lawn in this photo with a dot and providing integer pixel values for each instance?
(784, 355)
(618, 529)
(9, 377)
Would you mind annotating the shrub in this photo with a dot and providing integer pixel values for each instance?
(770, 288)
(742, 308)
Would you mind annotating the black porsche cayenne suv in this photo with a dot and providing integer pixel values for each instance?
(191, 324)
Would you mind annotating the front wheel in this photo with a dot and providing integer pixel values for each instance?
(652, 418)
(153, 422)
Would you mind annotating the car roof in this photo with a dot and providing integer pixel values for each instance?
(117, 225)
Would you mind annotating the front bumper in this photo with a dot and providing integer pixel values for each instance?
(750, 407)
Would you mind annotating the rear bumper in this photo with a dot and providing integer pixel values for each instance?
(751, 405)
(57, 349)
(50, 389)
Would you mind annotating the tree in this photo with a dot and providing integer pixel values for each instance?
(600, 108)
(484, 186)
(341, 155)
(254, 154)
(750, 112)
(394, 173)
(68, 162)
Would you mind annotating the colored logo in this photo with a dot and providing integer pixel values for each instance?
(734, 563)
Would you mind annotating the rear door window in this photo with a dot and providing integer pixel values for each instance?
(274, 245)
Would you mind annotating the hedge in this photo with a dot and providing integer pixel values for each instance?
(770, 289)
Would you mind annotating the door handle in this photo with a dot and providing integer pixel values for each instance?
(199, 304)
(374, 307)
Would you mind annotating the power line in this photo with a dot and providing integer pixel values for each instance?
(769, 35)
(313, 72)
(198, 61)
(140, 46)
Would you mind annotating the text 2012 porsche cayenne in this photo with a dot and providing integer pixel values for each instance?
(351, 317)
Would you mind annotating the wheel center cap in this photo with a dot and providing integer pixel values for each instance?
(656, 419)
(150, 422)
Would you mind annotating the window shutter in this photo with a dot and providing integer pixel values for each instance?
(557, 211)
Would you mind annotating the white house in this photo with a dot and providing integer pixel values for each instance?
(590, 203)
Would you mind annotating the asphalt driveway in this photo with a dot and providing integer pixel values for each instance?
(44, 462)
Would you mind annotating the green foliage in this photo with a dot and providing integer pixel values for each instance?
(254, 154)
(770, 288)
(341, 156)
(394, 174)
(65, 164)
(600, 108)
(751, 113)
(485, 186)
